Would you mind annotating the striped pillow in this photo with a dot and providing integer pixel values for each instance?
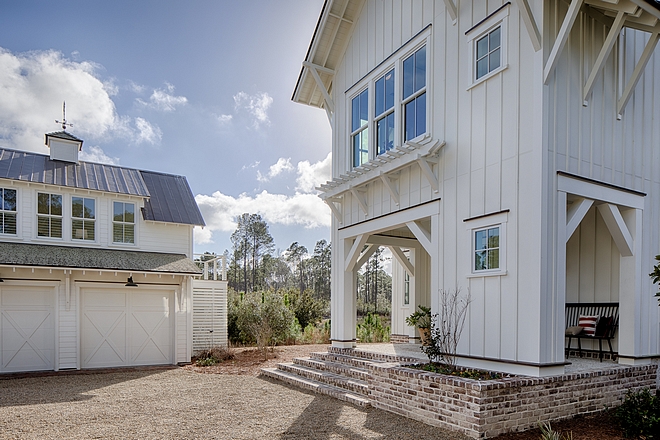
(588, 322)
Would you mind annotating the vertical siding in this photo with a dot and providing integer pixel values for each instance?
(68, 327)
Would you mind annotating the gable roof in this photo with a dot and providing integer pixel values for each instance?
(168, 197)
(63, 135)
(326, 50)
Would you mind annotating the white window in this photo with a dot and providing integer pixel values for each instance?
(391, 103)
(489, 52)
(123, 222)
(488, 241)
(487, 42)
(7, 211)
(83, 218)
(49, 215)
(406, 288)
(487, 249)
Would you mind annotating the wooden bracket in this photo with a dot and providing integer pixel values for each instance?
(637, 73)
(562, 37)
(530, 23)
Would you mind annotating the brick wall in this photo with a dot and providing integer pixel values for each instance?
(399, 339)
(485, 409)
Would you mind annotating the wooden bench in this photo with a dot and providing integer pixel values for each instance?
(605, 329)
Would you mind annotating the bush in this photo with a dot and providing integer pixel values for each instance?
(264, 318)
(372, 330)
(548, 434)
(316, 334)
(306, 309)
(213, 355)
(639, 415)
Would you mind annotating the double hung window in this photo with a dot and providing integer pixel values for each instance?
(390, 103)
(49, 215)
(83, 218)
(360, 128)
(123, 222)
(414, 94)
(7, 211)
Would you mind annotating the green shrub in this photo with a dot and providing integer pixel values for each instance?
(264, 318)
(371, 329)
(316, 334)
(639, 415)
(548, 434)
(303, 305)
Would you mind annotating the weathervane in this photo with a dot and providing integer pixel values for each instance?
(63, 121)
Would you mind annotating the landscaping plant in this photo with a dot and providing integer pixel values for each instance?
(655, 275)
(213, 355)
(548, 434)
(639, 415)
(371, 329)
(446, 327)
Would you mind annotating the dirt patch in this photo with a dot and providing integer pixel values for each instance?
(250, 361)
(601, 426)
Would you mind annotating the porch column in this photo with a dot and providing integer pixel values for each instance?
(344, 288)
(632, 301)
(436, 264)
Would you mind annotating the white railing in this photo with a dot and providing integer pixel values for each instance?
(214, 269)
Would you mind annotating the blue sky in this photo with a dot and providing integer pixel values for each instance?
(199, 88)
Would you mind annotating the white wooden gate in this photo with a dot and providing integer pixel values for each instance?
(209, 314)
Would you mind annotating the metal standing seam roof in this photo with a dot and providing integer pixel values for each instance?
(168, 197)
(39, 168)
(171, 200)
(23, 254)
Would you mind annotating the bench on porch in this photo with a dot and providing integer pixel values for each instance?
(606, 324)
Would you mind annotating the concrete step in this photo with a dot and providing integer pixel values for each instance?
(357, 386)
(318, 387)
(341, 369)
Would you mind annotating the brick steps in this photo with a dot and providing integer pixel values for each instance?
(334, 367)
(325, 376)
(318, 387)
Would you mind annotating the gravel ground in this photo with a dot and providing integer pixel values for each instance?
(182, 404)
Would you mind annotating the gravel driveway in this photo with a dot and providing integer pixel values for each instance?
(181, 404)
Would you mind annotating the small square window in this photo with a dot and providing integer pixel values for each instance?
(488, 52)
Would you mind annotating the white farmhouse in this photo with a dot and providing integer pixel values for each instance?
(507, 148)
(94, 262)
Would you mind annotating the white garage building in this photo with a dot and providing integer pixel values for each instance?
(94, 261)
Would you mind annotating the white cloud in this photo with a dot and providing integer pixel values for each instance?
(219, 211)
(135, 87)
(224, 119)
(147, 133)
(252, 165)
(34, 84)
(276, 169)
(312, 175)
(255, 105)
(164, 100)
(97, 155)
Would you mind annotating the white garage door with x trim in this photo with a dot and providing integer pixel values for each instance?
(27, 326)
(126, 326)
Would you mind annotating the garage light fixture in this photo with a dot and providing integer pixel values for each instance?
(130, 282)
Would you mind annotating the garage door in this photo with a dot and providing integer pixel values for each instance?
(126, 327)
(27, 321)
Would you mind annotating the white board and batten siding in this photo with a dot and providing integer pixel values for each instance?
(490, 163)
(209, 314)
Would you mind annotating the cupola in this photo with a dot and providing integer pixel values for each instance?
(63, 146)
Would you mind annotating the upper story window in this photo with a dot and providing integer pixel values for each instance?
(487, 249)
(489, 52)
(8, 211)
(360, 128)
(487, 42)
(83, 218)
(123, 222)
(390, 102)
(49, 215)
(414, 94)
(384, 112)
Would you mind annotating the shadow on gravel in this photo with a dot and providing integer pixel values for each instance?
(67, 386)
(323, 418)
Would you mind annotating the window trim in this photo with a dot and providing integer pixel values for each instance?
(499, 18)
(498, 219)
(368, 82)
(111, 215)
(3, 211)
(94, 220)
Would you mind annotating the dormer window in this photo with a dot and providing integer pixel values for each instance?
(8, 211)
(49, 215)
